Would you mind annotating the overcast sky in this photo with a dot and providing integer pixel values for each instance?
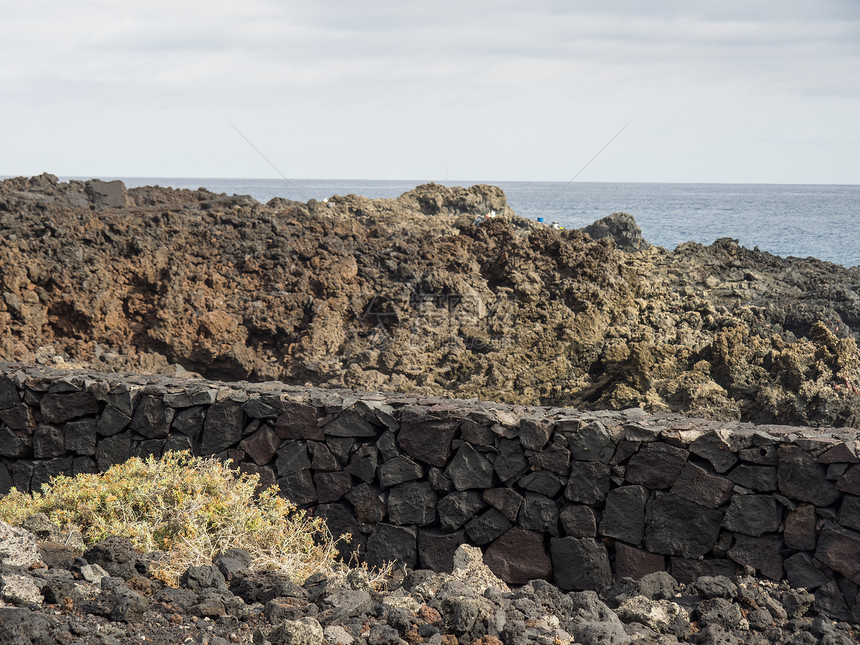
(722, 91)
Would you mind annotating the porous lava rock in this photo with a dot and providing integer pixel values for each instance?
(421, 294)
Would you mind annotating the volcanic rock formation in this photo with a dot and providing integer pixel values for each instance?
(421, 293)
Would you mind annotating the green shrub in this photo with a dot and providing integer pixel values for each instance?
(186, 509)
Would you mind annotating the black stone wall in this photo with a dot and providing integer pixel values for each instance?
(578, 498)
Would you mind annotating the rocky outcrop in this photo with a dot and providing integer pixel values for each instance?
(421, 294)
(620, 228)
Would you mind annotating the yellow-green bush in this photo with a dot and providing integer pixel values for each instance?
(189, 508)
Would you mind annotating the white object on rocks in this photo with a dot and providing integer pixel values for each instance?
(93, 573)
(19, 589)
(337, 635)
(304, 631)
(17, 547)
(470, 568)
(656, 614)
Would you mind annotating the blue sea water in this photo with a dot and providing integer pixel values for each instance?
(784, 219)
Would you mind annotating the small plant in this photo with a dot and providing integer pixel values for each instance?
(188, 508)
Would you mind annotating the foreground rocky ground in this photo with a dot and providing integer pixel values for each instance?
(52, 591)
(412, 295)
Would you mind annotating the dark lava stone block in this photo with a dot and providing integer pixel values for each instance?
(519, 556)
(656, 465)
(57, 408)
(631, 562)
(477, 434)
(578, 521)
(48, 441)
(764, 455)
(580, 564)
(624, 514)
(470, 469)
(19, 417)
(412, 503)
(222, 429)
(298, 421)
(800, 532)
(510, 461)
(349, 423)
(8, 393)
(487, 527)
(539, 513)
(591, 443)
(457, 508)
(369, 508)
(150, 447)
(713, 447)
(189, 422)
(427, 435)
(753, 515)
(436, 549)
(5, 480)
(534, 432)
(323, 458)
(849, 482)
(507, 500)
(755, 477)
(364, 463)
(687, 571)
(261, 445)
(14, 445)
(543, 482)
(555, 458)
(589, 482)
(178, 443)
(839, 548)
(115, 449)
(81, 435)
(697, 485)
(331, 487)
(849, 513)
(388, 542)
(801, 478)
(258, 408)
(761, 553)
(298, 488)
(675, 526)
(398, 470)
(22, 474)
(802, 572)
(292, 458)
(83, 465)
(341, 447)
(152, 418)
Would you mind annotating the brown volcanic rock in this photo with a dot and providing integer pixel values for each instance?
(409, 294)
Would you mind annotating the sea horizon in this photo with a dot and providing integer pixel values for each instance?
(459, 182)
(787, 220)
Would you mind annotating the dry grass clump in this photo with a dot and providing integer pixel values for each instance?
(189, 508)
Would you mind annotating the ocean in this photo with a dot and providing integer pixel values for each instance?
(783, 219)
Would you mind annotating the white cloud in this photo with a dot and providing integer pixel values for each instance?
(476, 83)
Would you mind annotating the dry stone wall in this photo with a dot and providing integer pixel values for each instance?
(578, 498)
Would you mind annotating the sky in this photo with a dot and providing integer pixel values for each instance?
(714, 91)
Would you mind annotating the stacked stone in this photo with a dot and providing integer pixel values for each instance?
(573, 497)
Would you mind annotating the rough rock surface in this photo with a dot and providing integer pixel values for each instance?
(411, 294)
(77, 602)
